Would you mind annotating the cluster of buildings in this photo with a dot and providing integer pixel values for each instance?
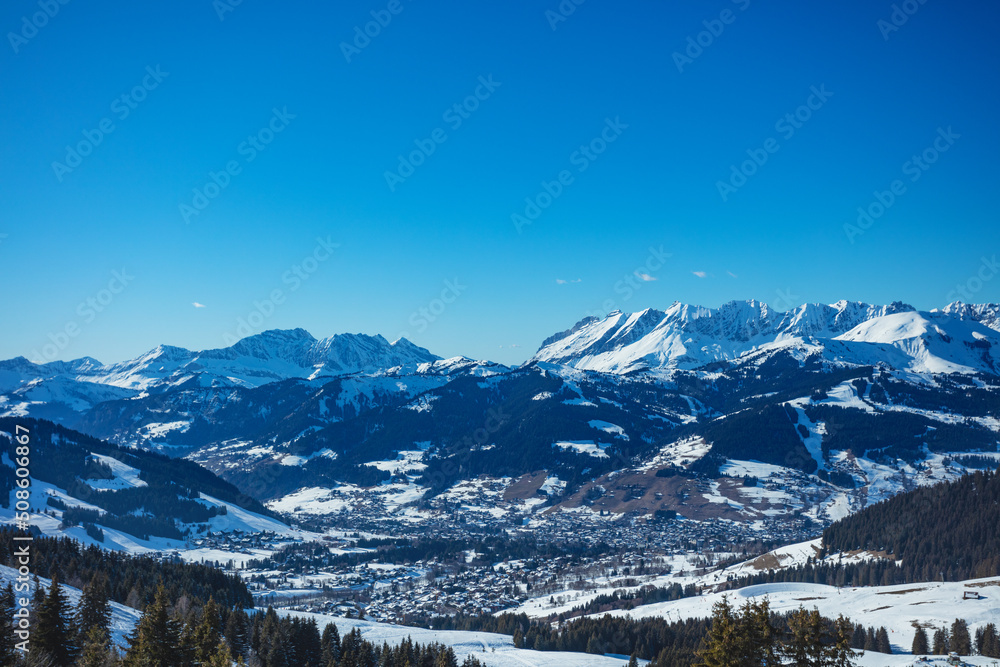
(341, 576)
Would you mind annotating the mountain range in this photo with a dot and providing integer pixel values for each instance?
(958, 338)
(739, 412)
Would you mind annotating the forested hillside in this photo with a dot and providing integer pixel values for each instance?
(946, 531)
(132, 579)
(161, 495)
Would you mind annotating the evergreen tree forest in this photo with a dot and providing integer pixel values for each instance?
(749, 636)
(176, 633)
(135, 577)
(172, 484)
(945, 532)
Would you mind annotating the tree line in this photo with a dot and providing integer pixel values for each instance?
(751, 636)
(947, 531)
(958, 639)
(136, 578)
(684, 643)
(175, 633)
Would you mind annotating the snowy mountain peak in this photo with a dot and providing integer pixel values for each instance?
(690, 336)
(344, 352)
(932, 342)
(17, 364)
(987, 314)
(590, 319)
(407, 344)
(269, 356)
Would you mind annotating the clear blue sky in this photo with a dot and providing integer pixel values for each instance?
(779, 237)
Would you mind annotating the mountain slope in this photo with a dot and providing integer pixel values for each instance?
(739, 412)
(155, 399)
(129, 500)
(688, 337)
(251, 362)
(944, 531)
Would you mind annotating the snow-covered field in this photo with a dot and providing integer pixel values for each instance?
(125, 476)
(899, 608)
(595, 449)
(492, 649)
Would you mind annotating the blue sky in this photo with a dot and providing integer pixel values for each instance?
(642, 138)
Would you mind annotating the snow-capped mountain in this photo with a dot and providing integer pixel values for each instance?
(64, 391)
(154, 400)
(987, 314)
(958, 338)
(259, 359)
(849, 402)
(923, 342)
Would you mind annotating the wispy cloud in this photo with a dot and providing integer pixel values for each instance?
(198, 305)
(560, 281)
(700, 274)
(732, 274)
(645, 277)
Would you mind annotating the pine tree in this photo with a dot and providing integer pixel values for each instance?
(272, 639)
(882, 644)
(988, 641)
(221, 657)
(237, 633)
(37, 600)
(759, 636)
(7, 640)
(277, 655)
(961, 642)
(840, 654)
(921, 645)
(156, 638)
(330, 644)
(804, 644)
(184, 652)
(858, 638)
(54, 631)
(940, 642)
(97, 649)
(446, 658)
(310, 644)
(722, 646)
(991, 642)
(870, 643)
(208, 634)
(633, 661)
(95, 607)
